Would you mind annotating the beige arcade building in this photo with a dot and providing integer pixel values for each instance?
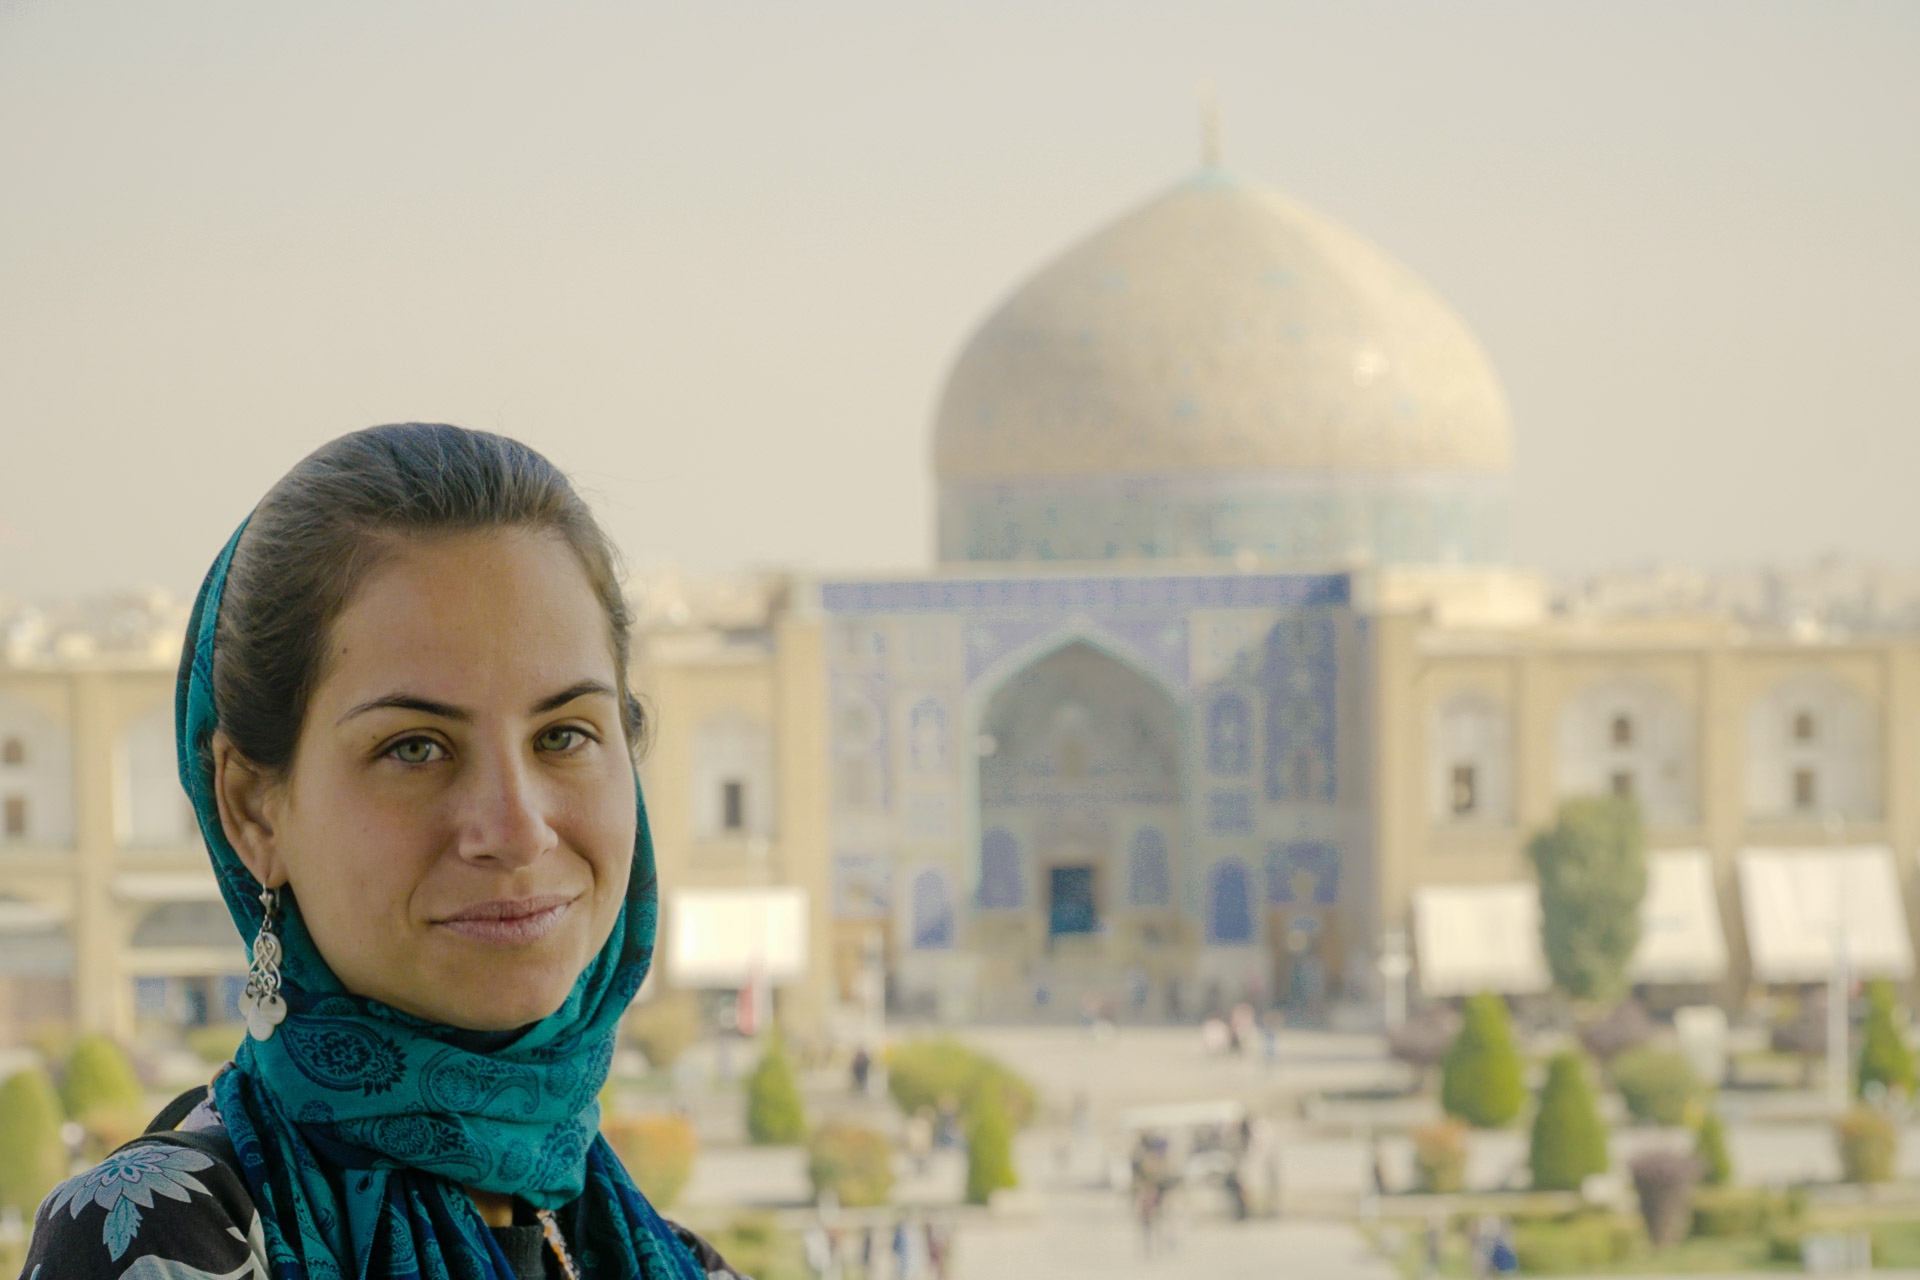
(1223, 687)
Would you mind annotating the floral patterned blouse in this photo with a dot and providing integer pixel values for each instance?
(161, 1208)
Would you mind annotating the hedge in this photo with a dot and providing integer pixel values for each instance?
(989, 1148)
(926, 1073)
(1884, 1057)
(99, 1077)
(1869, 1143)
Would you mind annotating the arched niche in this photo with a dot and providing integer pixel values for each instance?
(1081, 750)
(1470, 761)
(1629, 735)
(931, 903)
(1813, 752)
(36, 776)
(732, 777)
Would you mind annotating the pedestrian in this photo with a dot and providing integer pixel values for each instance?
(902, 1251)
(862, 1065)
(939, 1247)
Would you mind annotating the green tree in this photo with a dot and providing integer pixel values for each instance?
(1592, 868)
(1710, 1147)
(1569, 1140)
(100, 1078)
(1884, 1057)
(774, 1112)
(32, 1156)
(989, 1147)
(1480, 1080)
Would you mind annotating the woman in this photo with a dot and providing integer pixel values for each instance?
(404, 724)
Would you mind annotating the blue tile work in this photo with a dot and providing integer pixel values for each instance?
(1229, 903)
(932, 912)
(980, 597)
(1229, 735)
(1229, 813)
(1149, 883)
(1298, 677)
(1003, 880)
(1306, 866)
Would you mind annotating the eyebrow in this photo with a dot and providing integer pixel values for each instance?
(447, 711)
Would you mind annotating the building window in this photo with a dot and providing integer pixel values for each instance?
(733, 805)
(16, 818)
(1621, 784)
(1804, 728)
(1622, 731)
(13, 752)
(1806, 790)
(1466, 797)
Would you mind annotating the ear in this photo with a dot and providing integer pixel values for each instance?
(248, 800)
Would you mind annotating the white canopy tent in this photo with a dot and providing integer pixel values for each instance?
(1799, 902)
(725, 937)
(1486, 937)
(1479, 937)
(1681, 938)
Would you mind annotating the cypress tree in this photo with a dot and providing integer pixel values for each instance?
(1710, 1146)
(1569, 1140)
(1480, 1080)
(32, 1156)
(99, 1077)
(1884, 1057)
(989, 1147)
(774, 1111)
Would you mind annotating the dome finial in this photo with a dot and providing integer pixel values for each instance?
(1209, 127)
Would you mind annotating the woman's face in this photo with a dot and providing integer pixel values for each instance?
(458, 824)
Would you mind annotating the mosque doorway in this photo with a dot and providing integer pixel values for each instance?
(1079, 800)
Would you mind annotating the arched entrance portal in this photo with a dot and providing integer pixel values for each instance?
(1080, 786)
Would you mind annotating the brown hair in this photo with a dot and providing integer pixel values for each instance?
(331, 520)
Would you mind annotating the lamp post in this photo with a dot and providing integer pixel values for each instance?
(1838, 980)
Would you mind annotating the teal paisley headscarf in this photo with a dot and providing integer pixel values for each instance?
(357, 1125)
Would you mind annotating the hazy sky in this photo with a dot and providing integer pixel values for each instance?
(716, 259)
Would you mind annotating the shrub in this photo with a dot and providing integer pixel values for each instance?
(664, 1027)
(1625, 1027)
(1584, 1242)
(1884, 1057)
(755, 1245)
(989, 1148)
(1731, 1213)
(920, 1073)
(1657, 1085)
(32, 1156)
(1664, 1182)
(1710, 1144)
(658, 1151)
(99, 1078)
(1868, 1142)
(1440, 1157)
(774, 1111)
(1569, 1141)
(1423, 1040)
(1480, 1082)
(853, 1162)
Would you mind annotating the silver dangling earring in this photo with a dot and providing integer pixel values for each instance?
(261, 1003)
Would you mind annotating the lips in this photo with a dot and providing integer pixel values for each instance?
(510, 921)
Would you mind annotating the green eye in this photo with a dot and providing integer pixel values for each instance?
(415, 750)
(559, 739)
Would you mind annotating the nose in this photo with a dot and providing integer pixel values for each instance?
(503, 817)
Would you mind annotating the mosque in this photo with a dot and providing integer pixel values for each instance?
(1223, 687)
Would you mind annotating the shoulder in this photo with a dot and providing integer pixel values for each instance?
(154, 1205)
(712, 1265)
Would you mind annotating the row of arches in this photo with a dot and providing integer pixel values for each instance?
(1812, 747)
